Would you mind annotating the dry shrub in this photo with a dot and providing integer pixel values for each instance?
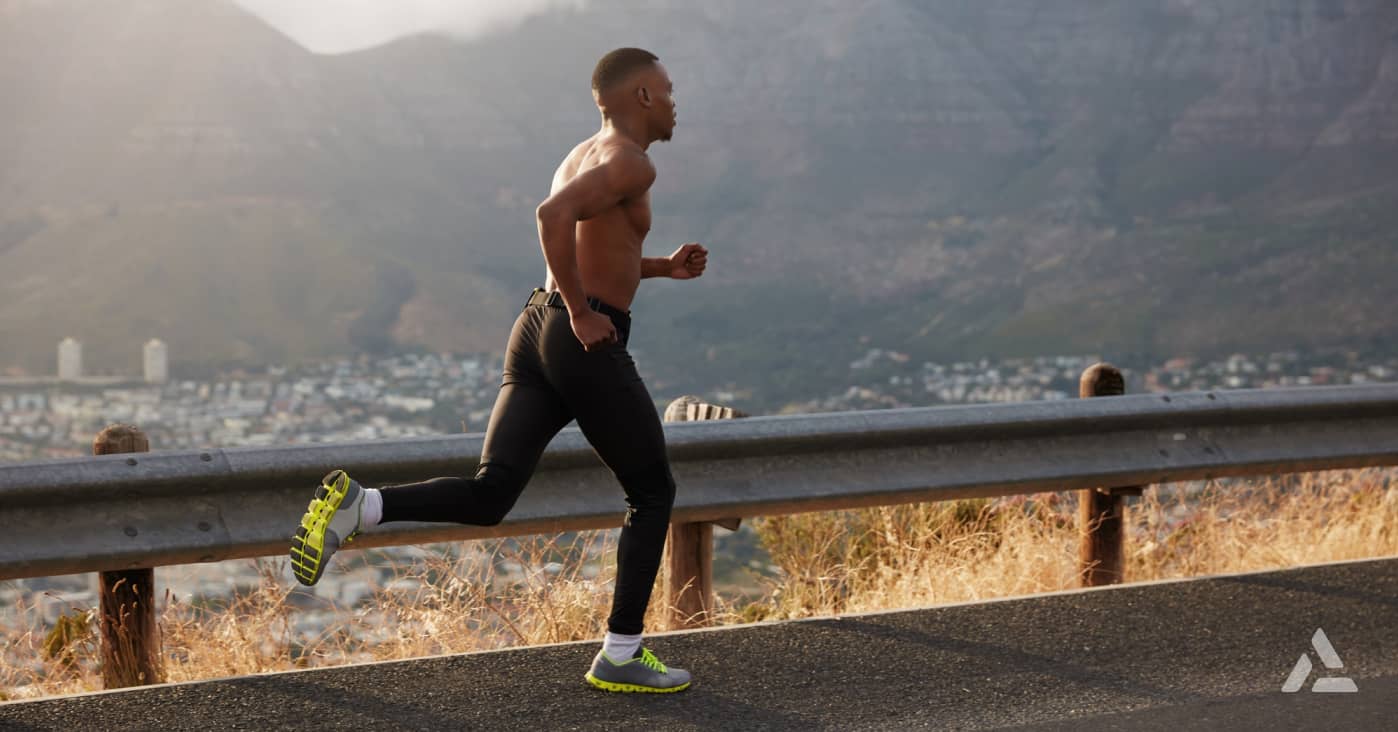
(916, 554)
(457, 602)
(61, 659)
(251, 634)
(1240, 525)
(923, 554)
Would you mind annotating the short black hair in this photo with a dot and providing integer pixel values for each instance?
(619, 64)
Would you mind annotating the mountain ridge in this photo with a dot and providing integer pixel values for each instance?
(948, 178)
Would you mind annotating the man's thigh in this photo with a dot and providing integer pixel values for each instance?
(615, 412)
(528, 410)
(525, 418)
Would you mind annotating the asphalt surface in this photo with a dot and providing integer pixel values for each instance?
(1200, 654)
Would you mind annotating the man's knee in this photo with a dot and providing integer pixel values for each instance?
(649, 488)
(496, 489)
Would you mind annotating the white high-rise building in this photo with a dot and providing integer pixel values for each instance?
(70, 360)
(157, 360)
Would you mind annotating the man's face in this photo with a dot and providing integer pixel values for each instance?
(662, 89)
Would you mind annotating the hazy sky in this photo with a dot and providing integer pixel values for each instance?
(339, 26)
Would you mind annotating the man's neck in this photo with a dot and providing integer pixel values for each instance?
(632, 129)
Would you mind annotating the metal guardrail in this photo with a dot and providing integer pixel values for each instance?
(163, 508)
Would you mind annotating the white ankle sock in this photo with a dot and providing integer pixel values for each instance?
(372, 512)
(620, 648)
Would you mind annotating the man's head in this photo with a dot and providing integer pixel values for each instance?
(631, 81)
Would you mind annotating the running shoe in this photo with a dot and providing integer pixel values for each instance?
(331, 520)
(643, 672)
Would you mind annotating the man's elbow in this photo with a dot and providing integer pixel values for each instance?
(550, 212)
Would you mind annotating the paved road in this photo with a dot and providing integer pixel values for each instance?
(1210, 653)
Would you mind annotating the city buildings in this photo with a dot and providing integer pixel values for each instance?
(156, 359)
(70, 360)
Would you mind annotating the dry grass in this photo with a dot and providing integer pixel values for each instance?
(456, 598)
(924, 554)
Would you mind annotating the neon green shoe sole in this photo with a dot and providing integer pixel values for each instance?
(642, 673)
(320, 534)
(632, 688)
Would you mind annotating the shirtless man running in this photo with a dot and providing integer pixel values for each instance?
(566, 360)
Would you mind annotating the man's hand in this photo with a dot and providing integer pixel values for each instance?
(688, 261)
(593, 329)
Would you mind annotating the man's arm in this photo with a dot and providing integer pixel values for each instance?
(626, 174)
(686, 263)
(655, 267)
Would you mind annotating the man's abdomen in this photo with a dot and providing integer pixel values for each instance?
(609, 262)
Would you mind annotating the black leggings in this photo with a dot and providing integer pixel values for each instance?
(549, 380)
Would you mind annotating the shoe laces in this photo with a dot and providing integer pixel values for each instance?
(652, 662)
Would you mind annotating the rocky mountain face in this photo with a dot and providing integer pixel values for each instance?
(946, 177)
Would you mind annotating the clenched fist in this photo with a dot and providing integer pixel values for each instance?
(688, 261)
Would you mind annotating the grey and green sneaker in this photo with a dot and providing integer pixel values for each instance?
(643, 672)
(331, 521)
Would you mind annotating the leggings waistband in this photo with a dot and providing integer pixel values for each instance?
(554, 299)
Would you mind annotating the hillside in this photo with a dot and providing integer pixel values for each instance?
(954, 177)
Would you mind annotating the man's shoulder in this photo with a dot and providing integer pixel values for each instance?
(626, 164)
(620, 150)
(622, 163)
(598, 150)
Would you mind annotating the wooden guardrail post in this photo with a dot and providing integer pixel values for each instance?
(1101, 511)
(130, 633)
(689, 548)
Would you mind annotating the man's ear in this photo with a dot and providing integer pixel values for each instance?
(643, 96)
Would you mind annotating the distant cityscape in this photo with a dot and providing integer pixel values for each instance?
(334, 401)
(429, 394)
